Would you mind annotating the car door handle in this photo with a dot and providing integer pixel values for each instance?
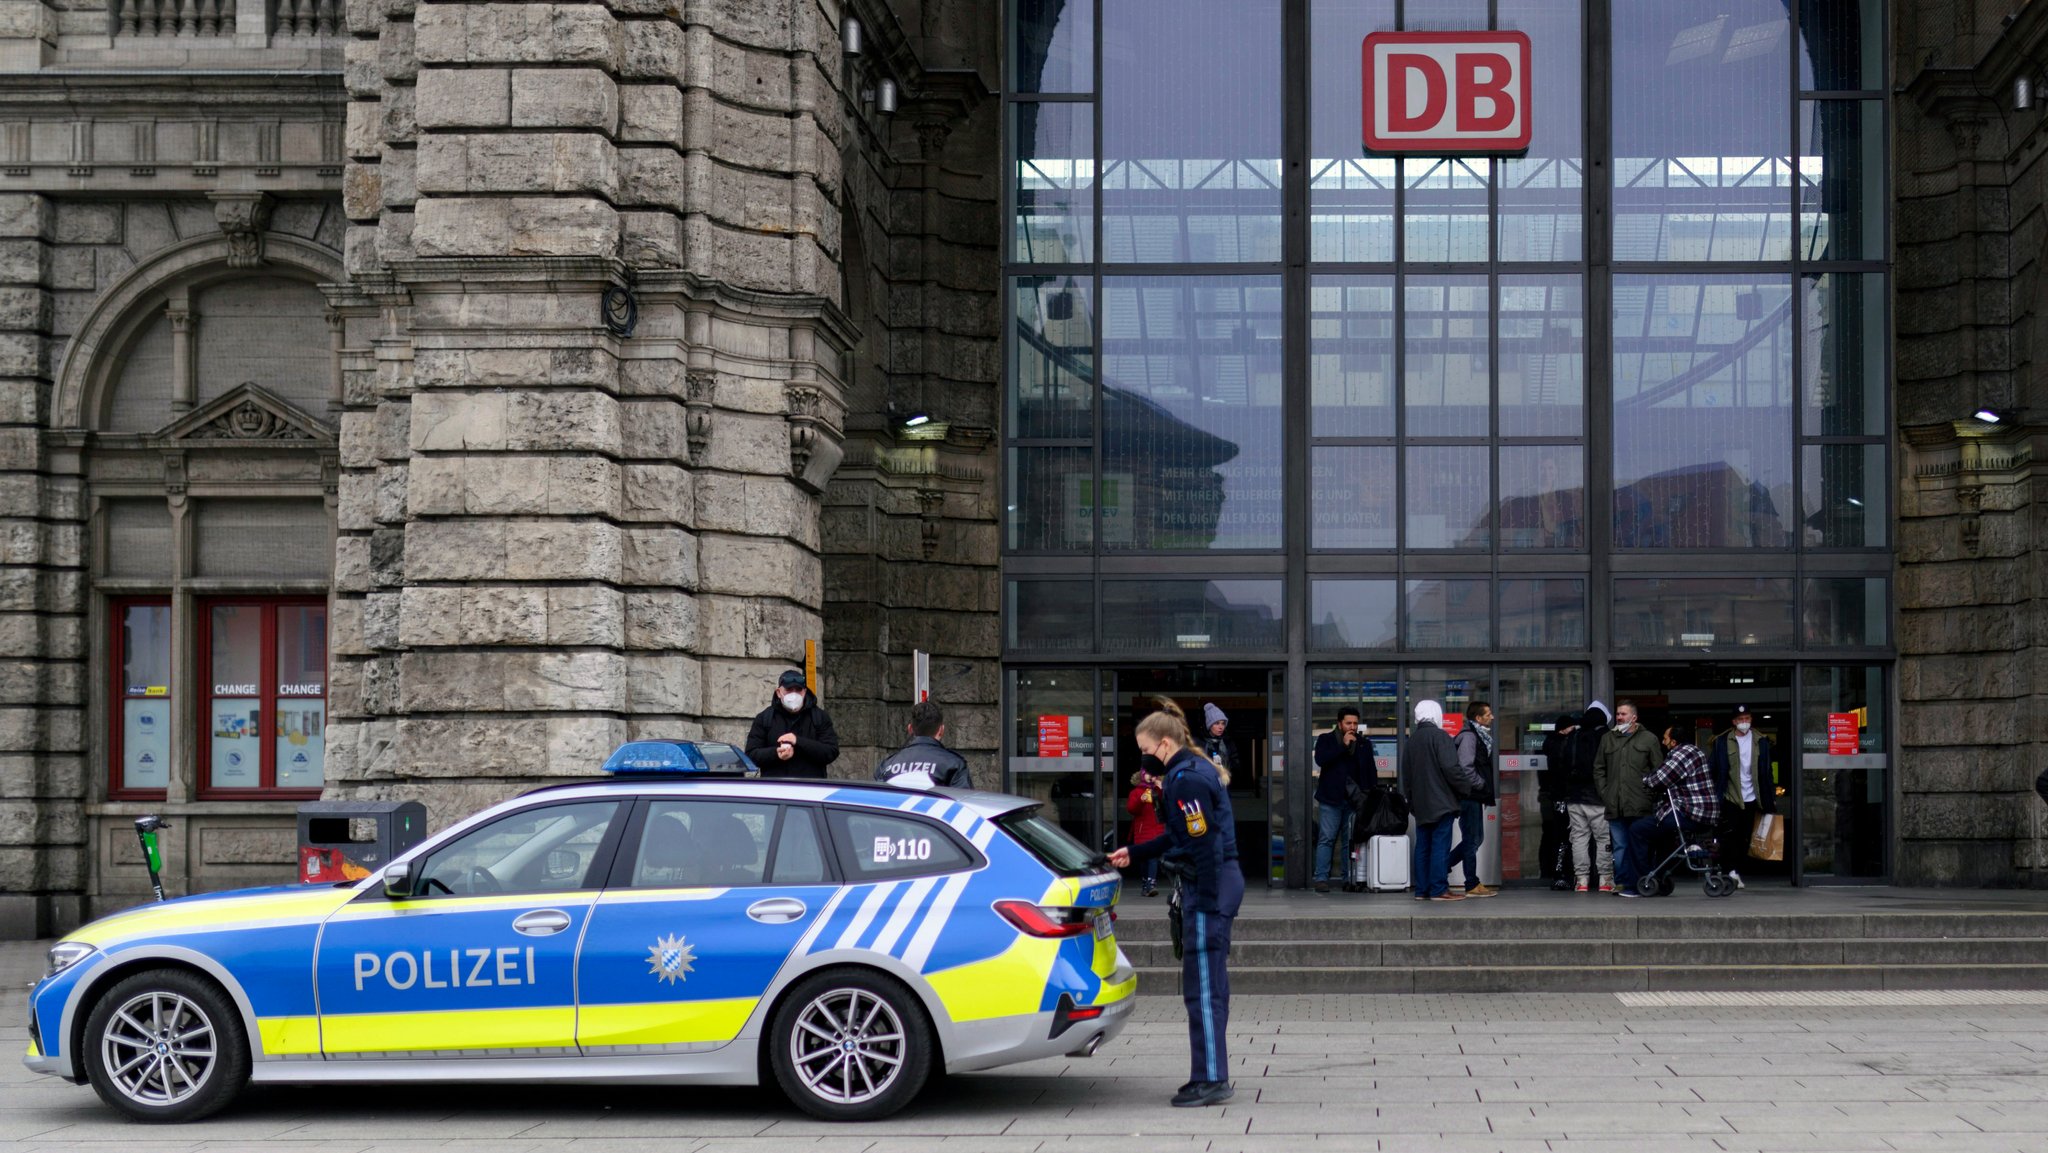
(541, 922)
(776, 910)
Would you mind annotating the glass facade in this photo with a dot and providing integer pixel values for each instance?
(1277, 400)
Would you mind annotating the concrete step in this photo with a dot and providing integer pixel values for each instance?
(1464, 922)
(1598, 953)
(1299, 980)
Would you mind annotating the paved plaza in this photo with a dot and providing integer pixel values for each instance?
(1514, 1073)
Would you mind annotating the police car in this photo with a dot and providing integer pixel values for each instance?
(661, 926)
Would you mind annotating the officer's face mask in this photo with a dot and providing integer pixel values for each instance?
(792, 701)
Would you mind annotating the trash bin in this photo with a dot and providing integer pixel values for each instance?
(349, 840)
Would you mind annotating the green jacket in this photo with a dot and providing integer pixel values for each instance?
(1619, 768)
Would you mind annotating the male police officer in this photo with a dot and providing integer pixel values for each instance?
(924, 762)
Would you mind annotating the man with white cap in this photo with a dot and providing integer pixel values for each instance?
(1741, 764)
(1435, 782)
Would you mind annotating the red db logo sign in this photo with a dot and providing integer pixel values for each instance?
(1439, 92)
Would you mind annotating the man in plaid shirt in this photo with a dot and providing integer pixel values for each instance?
(1684, 777)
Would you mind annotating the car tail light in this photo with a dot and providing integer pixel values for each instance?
(1047, 920)
(1066, 1015)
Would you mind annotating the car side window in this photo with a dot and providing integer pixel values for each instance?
(691, 843)
(799, 851)
(547, 850)
(878, 846)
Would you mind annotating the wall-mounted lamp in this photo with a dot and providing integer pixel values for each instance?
(1989, 416)
(885, 96)
(850, 36)
(2023, 93)
(917, 420)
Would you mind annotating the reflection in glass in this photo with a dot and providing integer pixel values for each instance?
(1191, 615)
(1841, 45)
(1542, 356)
(1450, 613)
(1191, 130)
(1053, 46)
(1351, 356)
(146, 650)
(1702, 412)
(1845, 611)
(1530, 701)
(1844, 488)
(1351, 196)
(1542, 497)
(1444, 213)
(1843, 784)
(1447, 497)
(237, 646)
(1842, 198)
(1050, 615)
(1052, 501)
(1542, 215)
(1446, 385)
(1690, 185)
(1842, 335)
(1707, 613)
(1544, 613)
(1052, 359)
(1352, 614)
(1352, 497)
(1054, 737)
(301, 649)
(1453, 688)
(1054, 193)
(1191, 374)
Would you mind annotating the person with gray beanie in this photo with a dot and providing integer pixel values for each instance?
(1213, 745)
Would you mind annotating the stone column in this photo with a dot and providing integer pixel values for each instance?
(42, 604)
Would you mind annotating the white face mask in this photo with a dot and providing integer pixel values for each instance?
(1623, 727)
(1742, 727)
(792, 701)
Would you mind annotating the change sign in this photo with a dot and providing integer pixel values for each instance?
(1447, 92)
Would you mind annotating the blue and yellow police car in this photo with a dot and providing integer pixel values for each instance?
(662, 926)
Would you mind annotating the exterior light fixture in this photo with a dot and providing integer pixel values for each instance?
(1857, 501)
(917, 420)
(885, 96)
(850, 36)
(2023, 93)
(1989, 416)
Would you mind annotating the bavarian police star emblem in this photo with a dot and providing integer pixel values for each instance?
(670, 959)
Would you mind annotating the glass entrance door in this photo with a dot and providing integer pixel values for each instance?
(1245, 698)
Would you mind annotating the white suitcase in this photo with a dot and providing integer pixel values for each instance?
(1386, 866)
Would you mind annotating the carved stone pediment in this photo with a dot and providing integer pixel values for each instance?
(252, 413)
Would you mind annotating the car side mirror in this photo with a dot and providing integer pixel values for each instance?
(398, 881)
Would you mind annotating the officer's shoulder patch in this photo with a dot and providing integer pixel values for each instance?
(1197, 820)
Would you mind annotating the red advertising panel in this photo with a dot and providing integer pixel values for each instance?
(1447, 92)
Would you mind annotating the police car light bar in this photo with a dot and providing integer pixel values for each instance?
(672, 758)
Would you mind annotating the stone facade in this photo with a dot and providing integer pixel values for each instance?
(591, 413)
(1969, 316)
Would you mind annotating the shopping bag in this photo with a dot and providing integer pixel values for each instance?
(1767, 839)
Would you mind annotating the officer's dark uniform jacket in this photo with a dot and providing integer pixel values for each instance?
(925, 762)
(817, 742)
(1201, 831)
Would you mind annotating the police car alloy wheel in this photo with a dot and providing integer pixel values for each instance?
(166, 1045)
(850, 1046)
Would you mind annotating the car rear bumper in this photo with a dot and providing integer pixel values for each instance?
(1011, 1040)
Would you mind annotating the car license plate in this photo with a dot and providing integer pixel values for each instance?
(1105, 926)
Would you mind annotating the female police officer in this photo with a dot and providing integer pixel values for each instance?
(1201, 831)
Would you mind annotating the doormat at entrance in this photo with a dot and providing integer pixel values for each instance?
(1875, 998)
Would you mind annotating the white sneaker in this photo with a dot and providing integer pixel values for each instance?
(1737, 878)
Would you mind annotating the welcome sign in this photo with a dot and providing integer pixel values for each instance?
(1439, 93)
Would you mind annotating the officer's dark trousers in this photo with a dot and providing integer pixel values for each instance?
(1205, 978)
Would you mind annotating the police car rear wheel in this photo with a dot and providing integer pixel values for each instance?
(166, 1045)
(851, 1046)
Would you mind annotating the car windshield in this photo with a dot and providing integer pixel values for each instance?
(1052, 844)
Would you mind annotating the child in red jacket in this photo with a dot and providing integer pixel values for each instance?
(1144, 809)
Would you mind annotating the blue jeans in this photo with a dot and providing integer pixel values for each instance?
(1331, 845)
(1624, 859)
(1471, 834)
(1429, 862)
(1150, 872)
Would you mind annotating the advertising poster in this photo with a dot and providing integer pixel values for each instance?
(301, 744)
(1052, 736)
(237, 762)
(146, 743)
(1843, 735)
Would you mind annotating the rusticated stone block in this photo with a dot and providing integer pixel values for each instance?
(757, 566)
(585, 615)
(659, 556)
(525, 226)
(563, 550)
(516, 34)
(564, 98)
(663, 683)
(661, 619)
(518, 162)
(656, 492)
(239, 844)
(463, 98)
(650, 113)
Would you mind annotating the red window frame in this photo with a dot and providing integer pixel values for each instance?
(266, 693)
(118, 695)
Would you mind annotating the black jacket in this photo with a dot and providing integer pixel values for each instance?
(1340, 766)
(1432, 776)
(922, 763)
(817, 743)
(1201, 831)
(1553, 783)
(1581, 749)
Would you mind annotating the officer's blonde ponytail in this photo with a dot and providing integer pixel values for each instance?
(1169, 723)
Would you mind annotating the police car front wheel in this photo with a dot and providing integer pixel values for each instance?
(851, 1046)
(166, 1045)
